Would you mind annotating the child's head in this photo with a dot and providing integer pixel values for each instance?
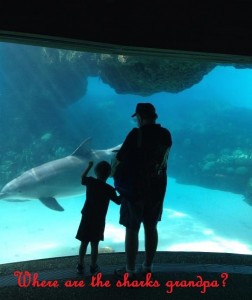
(102, 170)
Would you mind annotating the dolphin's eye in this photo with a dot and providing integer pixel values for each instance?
(20, 191)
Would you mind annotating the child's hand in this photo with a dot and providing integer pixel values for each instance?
(85, 172)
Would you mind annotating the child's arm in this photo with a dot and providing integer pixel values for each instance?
(85, 172)
(116, 199)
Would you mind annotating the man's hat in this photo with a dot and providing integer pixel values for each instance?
(145, 110)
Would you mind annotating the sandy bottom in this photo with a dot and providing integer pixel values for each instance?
(194, 219)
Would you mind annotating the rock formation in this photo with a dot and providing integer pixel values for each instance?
(144, 75)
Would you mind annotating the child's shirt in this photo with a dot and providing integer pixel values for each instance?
(98, 195)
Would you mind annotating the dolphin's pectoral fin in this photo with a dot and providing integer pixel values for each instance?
(51, 203)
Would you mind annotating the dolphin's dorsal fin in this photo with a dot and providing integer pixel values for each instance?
(83, 149)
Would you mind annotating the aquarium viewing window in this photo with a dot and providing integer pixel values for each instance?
(53, 99)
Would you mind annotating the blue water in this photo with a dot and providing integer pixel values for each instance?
(195, 218)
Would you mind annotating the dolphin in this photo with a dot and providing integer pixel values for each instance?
(56, 178)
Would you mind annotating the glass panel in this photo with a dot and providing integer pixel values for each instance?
(51, 100)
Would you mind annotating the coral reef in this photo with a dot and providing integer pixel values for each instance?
(215, 152)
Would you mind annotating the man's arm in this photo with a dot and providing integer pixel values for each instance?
(116, 199)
